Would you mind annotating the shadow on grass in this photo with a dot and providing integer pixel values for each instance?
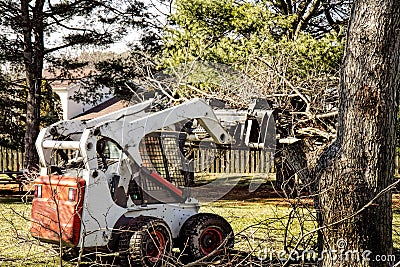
(11, 198)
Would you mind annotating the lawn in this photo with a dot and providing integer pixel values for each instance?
(260, 224)
(17, 247)
(257, 225)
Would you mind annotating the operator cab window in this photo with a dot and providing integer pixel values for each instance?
(108, 153)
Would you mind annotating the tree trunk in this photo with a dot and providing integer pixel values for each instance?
(359, 165)
(291, 163)
(33, 61)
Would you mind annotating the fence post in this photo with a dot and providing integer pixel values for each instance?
(2, 159)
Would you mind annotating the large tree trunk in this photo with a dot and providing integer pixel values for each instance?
(359, 165)
(33, 61)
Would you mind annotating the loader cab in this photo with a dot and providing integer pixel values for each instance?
(161, 178)
(62, 157)
(109, 154)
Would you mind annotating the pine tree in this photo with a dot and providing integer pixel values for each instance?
(37, 33)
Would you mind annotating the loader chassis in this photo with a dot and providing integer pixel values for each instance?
(103, 182)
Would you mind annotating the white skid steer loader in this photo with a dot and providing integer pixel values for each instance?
(106, 184)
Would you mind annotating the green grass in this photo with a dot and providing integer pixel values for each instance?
(257, 225)
(17, 247)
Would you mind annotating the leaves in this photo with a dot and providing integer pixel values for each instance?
(11, 115)
(37, 34)
(13, 108)
(231, 33)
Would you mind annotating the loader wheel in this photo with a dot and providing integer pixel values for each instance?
(146, 241)
(204, 233)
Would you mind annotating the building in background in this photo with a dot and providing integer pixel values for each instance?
(71, 108)
(66, 88)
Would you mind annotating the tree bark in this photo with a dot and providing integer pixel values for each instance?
(291, 162)
(360, 162)
(33, 63)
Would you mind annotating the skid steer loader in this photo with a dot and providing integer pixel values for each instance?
(120, 183)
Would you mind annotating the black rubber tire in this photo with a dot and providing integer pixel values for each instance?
(203, 233)
(145, 241)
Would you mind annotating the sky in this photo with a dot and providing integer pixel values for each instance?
(160, 10)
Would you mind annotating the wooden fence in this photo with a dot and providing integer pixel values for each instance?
(232, 161)
(205, 160)
(11, 159)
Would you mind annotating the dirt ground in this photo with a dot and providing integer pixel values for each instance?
(238, 192)
(266, 193)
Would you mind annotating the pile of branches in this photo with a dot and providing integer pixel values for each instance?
(306, 106)
(304, 109)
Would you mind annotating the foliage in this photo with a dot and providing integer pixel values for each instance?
(314, 17)
(219, 31)
(254, 39)
(120, 73)
(260, 59)
(230, 33)
(13, 110)
(35, 34)
(235, 33)
(50, 106)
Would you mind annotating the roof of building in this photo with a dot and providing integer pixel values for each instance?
(108, 106)
(60, 81)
